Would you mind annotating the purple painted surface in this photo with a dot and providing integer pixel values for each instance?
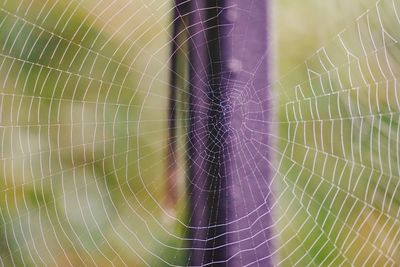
(229, 154)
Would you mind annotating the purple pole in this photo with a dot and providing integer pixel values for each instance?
(229, 155)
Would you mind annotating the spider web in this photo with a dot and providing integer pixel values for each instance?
(83, 128)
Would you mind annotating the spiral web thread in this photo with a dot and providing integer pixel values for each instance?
(83, 98)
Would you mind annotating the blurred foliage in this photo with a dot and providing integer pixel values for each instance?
(81, 137)
(340, 163)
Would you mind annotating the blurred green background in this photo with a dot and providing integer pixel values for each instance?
(84, 94)
(339, 137)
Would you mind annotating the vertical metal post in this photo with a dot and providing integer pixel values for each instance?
(229, 149)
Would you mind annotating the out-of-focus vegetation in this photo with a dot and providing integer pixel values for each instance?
(340, 175)
(83, 95)
(83, 101)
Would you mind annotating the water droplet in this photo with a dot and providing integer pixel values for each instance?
(232, 14)
(235, 65)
